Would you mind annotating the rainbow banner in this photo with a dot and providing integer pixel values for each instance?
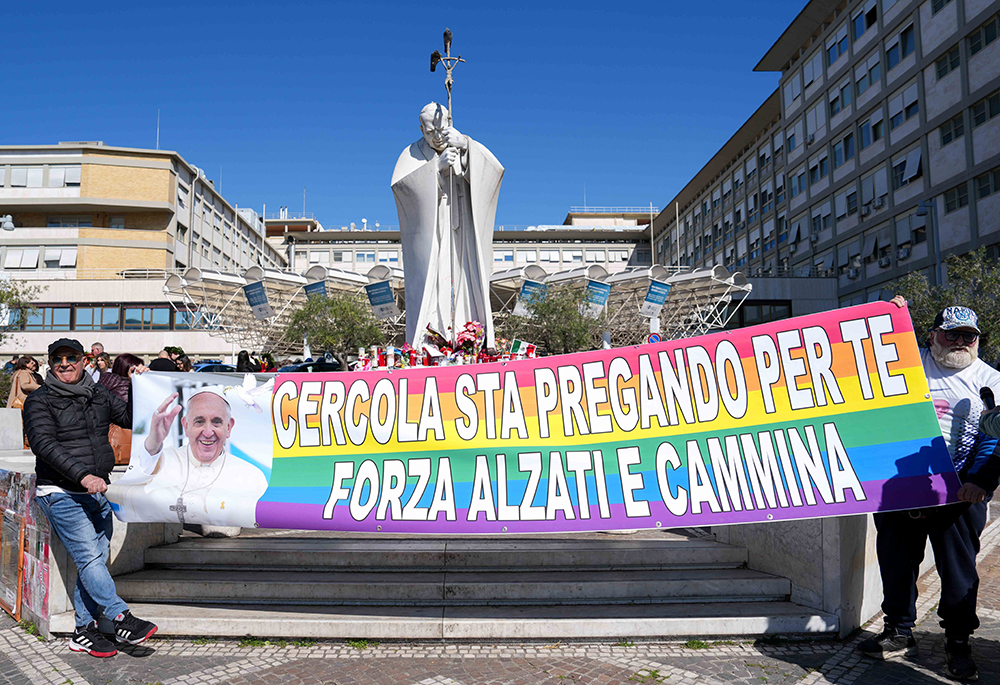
(821, 415)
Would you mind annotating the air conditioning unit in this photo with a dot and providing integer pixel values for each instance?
(814, 238)
(741, 225)
(903, 253)
(879, 203)
(810, 139)
(866, 210)
(884, 262)
(853, 273)
(793, 247)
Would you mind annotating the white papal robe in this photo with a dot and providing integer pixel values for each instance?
(446, 230)
(173, 486)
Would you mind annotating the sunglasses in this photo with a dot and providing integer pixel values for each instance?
(64, 358)
(969, 338)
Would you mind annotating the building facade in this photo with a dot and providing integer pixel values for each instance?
(877, 155)
(99, 229)
(611, 237)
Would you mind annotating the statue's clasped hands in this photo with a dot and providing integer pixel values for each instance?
(455, 143)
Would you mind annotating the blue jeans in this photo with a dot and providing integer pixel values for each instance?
(83, 522)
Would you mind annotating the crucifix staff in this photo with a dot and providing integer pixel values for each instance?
(449, 63)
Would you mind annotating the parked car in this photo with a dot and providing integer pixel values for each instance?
(214, 367)
(312, 367)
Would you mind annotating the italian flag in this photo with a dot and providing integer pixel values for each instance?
(521, 347)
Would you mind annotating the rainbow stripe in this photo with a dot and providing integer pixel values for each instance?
(885, 449)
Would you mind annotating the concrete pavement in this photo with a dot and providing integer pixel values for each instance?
(26, 660)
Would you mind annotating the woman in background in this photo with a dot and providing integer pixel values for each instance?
(119, 382)
(243, 363)
(103, 364)
(24, 381)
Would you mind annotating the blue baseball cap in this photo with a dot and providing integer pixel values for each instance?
(951, 318)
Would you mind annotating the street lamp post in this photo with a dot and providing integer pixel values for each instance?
(929, 208)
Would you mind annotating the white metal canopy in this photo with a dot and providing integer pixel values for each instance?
(699, 300)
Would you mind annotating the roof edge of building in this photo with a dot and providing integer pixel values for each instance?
(810, 18)
(768, 111)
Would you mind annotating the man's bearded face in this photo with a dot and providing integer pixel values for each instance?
(956, 354)
(207, 426)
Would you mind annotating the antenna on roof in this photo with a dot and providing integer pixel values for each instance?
(157, 129)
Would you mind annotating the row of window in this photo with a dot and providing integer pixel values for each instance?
(985, 185)
(41, 176)
(344, 256)
(51, 258)
(984, 35)
(868, 72)
(567, 257)
(106, 318)
(914, 227)
(981, 112)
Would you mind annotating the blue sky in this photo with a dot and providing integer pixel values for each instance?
(624, 101)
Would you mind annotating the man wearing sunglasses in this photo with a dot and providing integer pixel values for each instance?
(67, 421)
(955, 377)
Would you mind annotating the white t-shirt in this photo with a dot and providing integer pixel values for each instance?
(956, 398)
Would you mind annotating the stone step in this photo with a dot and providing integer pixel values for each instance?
(439, 554)
(429, 587)
(549, 623)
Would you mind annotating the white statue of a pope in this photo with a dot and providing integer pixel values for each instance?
(446, 187)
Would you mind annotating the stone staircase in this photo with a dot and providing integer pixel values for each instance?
(307, 585)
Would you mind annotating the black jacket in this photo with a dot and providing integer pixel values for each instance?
(69, 436)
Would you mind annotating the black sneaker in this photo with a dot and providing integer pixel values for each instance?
(890, 643)
(132, 630)
(958, 655)
(89, 639)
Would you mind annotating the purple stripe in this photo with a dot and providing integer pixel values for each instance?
(911, 492)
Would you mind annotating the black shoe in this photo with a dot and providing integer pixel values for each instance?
(890, 643)
(132, 630)
(958, 655)
(89, 639)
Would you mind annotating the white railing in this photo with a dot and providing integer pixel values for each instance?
(614, 210)
(289, 216)
(90, 274)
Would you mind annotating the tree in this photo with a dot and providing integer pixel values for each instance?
(338, 324)
(15, 305)
(973, 281)
(557, 324)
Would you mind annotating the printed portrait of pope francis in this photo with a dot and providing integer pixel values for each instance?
(200, 482)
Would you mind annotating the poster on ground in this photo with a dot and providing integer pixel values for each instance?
(792, 419)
